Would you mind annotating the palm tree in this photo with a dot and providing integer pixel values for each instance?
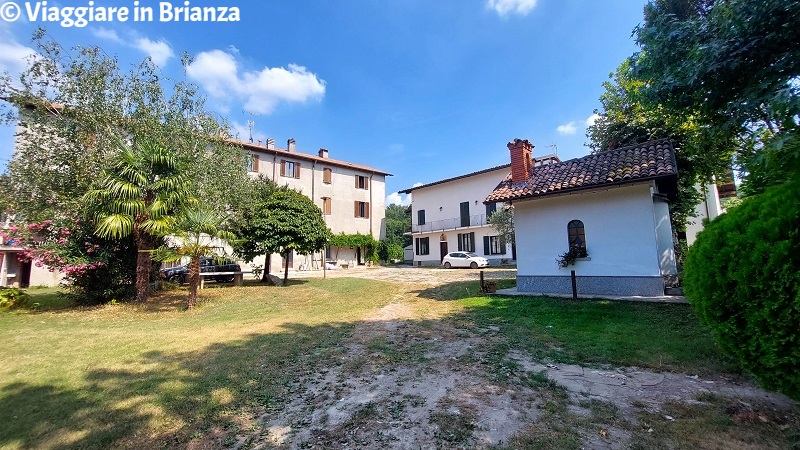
(140, 195)
(194, 233)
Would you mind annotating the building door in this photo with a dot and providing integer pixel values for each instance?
(358, 256)
(25, 274)
(442, 250)
(464, 207)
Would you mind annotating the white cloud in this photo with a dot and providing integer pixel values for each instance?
(159, 51)
(417, 184)
(107, 34)
(567, 128)
(14, 57)
(506, 7)
(261, 91)
(396, 198)
(592, 119)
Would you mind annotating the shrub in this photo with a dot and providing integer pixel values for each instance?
(742, 278)
(388, 252)
(13, 298)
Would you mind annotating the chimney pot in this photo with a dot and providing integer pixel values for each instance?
(323, 152)
(270, 144)
(290, 145)
(521, 161)
(259, 142)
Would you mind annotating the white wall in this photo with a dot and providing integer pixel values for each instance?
(451, 237)
(709, 208)
(666, 246)
(619, 225)
(448, 196)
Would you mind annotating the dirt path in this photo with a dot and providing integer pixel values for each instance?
(406, 380)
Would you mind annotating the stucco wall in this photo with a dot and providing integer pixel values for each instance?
(341, 191)
(619, 226)
(709, 209)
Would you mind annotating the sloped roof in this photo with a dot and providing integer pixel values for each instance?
(447, 180)
(303, 156)
(647, 161)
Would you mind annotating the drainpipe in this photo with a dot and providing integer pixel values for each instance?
(274, 158)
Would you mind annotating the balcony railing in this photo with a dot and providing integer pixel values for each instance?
(449, 224)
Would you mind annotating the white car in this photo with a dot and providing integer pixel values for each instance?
(464, 259)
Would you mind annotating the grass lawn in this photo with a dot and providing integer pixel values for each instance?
(160, 376)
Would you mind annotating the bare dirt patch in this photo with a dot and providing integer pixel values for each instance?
(405, 380)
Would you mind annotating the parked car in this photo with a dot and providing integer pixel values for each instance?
(180, 274)
(464, 259)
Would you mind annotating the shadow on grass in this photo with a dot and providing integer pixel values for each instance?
(460, 289)
(184, 394)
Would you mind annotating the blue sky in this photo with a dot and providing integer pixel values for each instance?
(425, 90)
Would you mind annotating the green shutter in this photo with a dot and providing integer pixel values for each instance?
(460, 246)
(502, 246)
(472, 242)
(416, 247)
(486, 249)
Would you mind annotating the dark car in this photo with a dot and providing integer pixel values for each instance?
(180, 274)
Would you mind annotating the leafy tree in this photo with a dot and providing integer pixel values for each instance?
(398, 222)
(503, 221)
(365, 241)
(629, 117)
(250, 224)
(741, 277)
(140, 196)
(733, 66)
(288, 221)
(193, 235)
(79, 102)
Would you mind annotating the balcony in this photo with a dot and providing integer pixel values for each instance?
(449, 224)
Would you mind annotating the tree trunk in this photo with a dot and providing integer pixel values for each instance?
(194, 281)
(144, 244)
(286, 269)
(267, 263)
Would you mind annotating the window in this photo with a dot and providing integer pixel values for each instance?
(326, 205)
(464, 214)
(421, 217)
(252, 163)
(490, 209)
(290, 169)
(362, 182)
(494, 245)
(423, 246)
(328, 253)
(362, 209)
(576, 234)
(466, 242)
(326, 176)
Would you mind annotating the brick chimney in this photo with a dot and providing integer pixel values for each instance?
(323, 152)
(521, 161)
(290, 145)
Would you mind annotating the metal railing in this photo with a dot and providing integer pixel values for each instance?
(449, 224)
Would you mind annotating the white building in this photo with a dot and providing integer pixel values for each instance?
(613, 204)
(351, 196)
(449, 215)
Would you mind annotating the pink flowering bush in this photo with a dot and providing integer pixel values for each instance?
(95, 270)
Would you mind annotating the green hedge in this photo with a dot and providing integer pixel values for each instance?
(742, 276)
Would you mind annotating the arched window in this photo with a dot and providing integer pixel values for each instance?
(576, 234)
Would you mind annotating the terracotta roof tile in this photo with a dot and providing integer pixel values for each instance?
(647, 161)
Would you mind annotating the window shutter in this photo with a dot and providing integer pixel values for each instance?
(255, 163)
(356, 178)
(416, 247)
(366, 210)
(472, 241)
(326, 176)
(356, 209)
(283, 168)
(502, 246)
(297, 170)
(366, 183)
(486, 249)
(460, 243)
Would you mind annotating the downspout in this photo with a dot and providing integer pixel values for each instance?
(274, 159)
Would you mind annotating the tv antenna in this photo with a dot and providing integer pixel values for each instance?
(554, 147)
(250, 125)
